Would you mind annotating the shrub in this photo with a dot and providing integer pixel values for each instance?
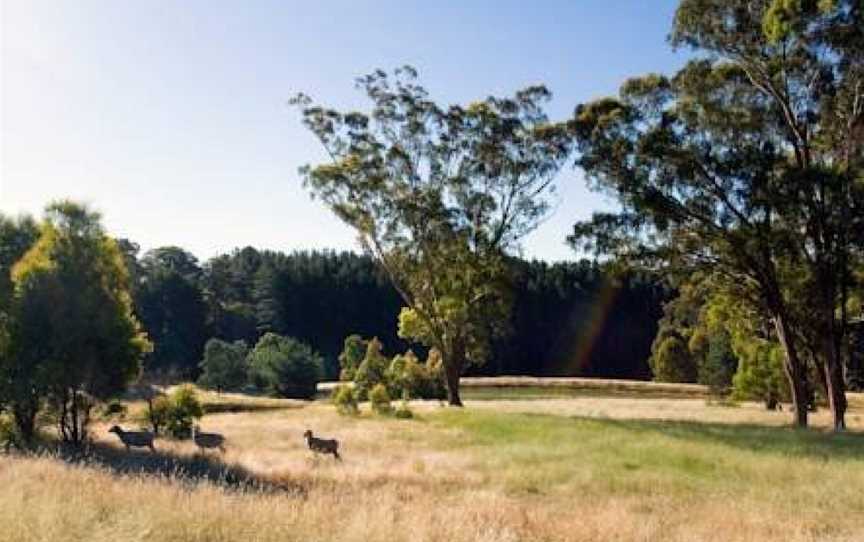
(719, 366)
(380, 399)
(224, 365)
(345, 400)
(158, 412)
(183, 409)
(672, 361)
(371, 371)
(407, 377)
(760, 372)
(285, 367)
(9, 436)
(352, 355)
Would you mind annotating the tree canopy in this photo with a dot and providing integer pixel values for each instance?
(437, 196)
(74, 337)
(746, 164)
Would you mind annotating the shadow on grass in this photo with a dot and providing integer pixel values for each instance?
(530, 393)
(788, 441)
(200, 467)
(238, 407)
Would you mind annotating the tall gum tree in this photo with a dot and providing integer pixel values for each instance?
(438, 196)
(747, 164)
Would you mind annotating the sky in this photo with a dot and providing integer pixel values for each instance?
(171, 118)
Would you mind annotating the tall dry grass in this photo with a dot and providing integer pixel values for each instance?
(561, 470)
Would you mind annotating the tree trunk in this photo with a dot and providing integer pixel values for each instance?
(795, 373)
(25, 421)
(835, 387)
(453, 365)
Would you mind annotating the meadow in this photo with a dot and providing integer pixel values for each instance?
(508, 467)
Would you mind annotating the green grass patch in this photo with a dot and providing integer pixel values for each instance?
(538, 453)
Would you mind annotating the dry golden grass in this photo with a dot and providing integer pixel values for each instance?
(575, 469)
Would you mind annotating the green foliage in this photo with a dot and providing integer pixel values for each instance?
(9, 434)
(760, 372)
(380, 399)
(744, 165)
(372, 369)
(345, 400)
(699, 317)
(285, 367)
(17, 236)
(407, 377)
(352, 356)
(720, 364)
(170, 303)
(672, 362)
(780, 18)
(159, 410)
(224, 365)
(183, 409)
(438, 195)
(74, 339)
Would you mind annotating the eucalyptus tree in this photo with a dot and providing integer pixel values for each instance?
(746, 163)
(438, 195)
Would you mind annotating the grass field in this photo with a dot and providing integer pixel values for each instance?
(576, 467)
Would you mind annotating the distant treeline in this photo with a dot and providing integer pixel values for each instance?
(569, 319)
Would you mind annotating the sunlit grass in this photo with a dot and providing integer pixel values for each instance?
(581, 468)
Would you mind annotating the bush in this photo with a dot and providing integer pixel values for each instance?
(182, 410)
(345, 400)
(719, 365)
(371, 371)
(760, 373)
(9, 436)
(352, 355)
(285, 367)
(224, 365)
(158, 412)
(380, 399)
(672, 361)
(407, 377)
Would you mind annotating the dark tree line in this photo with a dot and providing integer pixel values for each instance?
(569, 319)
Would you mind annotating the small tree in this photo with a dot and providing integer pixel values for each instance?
(284, 366)
(352, 356)
(182, 410)
(345, 400)
(672, 362)
(379, 397)
(408, 378)
(372, 369)
(74, 337)
(158, 412)
(224, 365)
(719, 365)
(760, 373)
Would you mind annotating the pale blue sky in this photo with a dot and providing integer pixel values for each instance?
(170, 117)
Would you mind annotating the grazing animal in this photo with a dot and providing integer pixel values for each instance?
(208, 440)
(137, 439)
(321, 445)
